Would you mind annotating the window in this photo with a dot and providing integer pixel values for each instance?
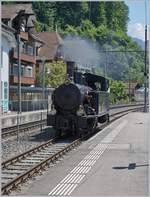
(22, 70)
(5, 90)
(15, 69)
(2, 56)
(1, 90)
(30, 50)
(29, 71)
(23, 47)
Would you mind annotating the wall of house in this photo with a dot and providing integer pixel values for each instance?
(5, 74)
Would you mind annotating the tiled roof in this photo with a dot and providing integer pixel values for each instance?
(52, 42)
(11, 11)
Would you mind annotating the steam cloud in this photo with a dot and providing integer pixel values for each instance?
(81, 51)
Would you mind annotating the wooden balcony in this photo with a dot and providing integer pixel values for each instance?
(24, 35)
(24, 80)
(25, 57)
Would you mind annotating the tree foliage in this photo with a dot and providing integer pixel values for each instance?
(55, 73)
(114, 15)
(117, 92)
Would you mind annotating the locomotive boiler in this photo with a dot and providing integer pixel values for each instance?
(79, 103)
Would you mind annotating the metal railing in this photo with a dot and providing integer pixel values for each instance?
(28, 105)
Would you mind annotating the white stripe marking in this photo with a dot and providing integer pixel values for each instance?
(80, 178)
(70, 178)
(66, 177)
(62, 192)
(73, 180)
(72, 189)
(63, 189)
(54, 189)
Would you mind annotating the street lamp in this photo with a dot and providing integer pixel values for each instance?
(20, 26)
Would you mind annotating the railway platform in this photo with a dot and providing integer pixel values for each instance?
(113, 162)
(11, 119)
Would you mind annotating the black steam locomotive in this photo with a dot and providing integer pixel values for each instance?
(79, 104)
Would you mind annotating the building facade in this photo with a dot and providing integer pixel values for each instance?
(21, 17)
(7, 43)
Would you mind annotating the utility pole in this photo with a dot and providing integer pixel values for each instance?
(19, 74)
(145, 72)
(145, 61)
(43, 79)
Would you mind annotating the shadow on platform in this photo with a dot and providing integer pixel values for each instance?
(131, 166)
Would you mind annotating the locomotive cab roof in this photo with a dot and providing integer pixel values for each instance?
(92, 80)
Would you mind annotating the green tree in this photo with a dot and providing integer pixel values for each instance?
(97, 13)
(55, 73)
(45, 13)
(117, 92)
(117, 15)
(70, 13)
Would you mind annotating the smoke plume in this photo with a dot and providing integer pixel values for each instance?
(82, 51)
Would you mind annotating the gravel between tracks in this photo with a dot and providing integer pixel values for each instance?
(27, 140)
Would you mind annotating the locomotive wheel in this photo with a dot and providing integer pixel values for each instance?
(104, 119)
(92, 125)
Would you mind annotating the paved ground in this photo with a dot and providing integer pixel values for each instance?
(114, 162)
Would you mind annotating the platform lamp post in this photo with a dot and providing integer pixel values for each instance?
(20, 26)
(129, 77)
(43, 78)
(145, 60)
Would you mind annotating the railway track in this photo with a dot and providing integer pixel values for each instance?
(12, 131)
(19, 169)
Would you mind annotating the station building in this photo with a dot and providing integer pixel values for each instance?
(29, 46)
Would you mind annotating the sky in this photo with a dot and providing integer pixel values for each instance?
(136, 25)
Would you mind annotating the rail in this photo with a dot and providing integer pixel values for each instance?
(9, 131)
(12, 184)
(28, 173)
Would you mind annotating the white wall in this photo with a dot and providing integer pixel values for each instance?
(5, 47)
(5, 59)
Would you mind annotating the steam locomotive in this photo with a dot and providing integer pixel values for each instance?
(78, 105)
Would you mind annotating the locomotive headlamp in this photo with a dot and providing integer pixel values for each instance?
(80, 111)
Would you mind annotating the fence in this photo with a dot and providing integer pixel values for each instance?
(28, 105)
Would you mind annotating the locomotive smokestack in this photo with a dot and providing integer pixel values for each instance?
(70, 68)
